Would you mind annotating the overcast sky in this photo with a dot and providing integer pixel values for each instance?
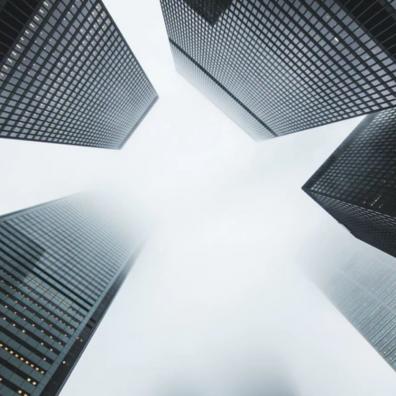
(216, 304)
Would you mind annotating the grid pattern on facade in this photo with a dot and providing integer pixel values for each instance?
(293, 64)
(57, 264)
(378, 18)
(362, 171)
(71, 78)
(376, 229)
(14, 15)
(364, 292)
(356, 185)
(219, 96)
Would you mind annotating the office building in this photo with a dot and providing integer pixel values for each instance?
(363, 290)
(357, 184)
(67, 75)
(61, 264)
(281, 66)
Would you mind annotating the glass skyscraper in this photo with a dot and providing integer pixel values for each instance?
(67, 75)
(282, 66)
(363, 290)
(357, 184)
(61, 264)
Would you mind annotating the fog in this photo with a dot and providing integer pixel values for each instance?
(217, 303)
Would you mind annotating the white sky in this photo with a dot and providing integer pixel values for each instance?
(215, 304)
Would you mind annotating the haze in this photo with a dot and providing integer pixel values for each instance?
(217, 303)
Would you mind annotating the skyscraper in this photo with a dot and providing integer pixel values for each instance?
(278, 67)
(61, 264)
(363, 290)
(67, 75)
(356, 185)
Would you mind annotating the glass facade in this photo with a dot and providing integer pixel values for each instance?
(67, 75)
(377, 18)
(363, 290)
(61, 264)
(14, 15)
(357, 184)
(208, 9)
(279, 67)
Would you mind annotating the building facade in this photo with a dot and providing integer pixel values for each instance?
(278, 67)
(363, 290)
(67, 75)
(61, 264)
(357, 184)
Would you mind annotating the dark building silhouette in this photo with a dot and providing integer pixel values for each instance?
(278, 67)
(377, 18)
(363, 290)
(211, 11)
(61, 264)
(67, 75)
(357, 184)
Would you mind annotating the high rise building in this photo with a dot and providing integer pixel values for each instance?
(363, 290)
(67, 75)
(357, 184)
(282, 66)
(61, 264)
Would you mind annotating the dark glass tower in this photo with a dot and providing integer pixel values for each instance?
(282, 66)
(67, 75)
(363, 290)
(61, 264)
(357, 184)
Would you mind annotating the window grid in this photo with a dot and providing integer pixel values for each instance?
(363, 291)
(295, 64)
(58, 262)
(71, 78)
(357, 184)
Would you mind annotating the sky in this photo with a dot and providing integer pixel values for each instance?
(216, 304)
